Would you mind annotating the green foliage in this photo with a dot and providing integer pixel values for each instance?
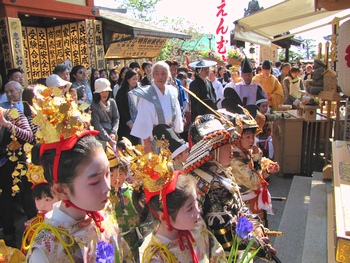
(173, 47)
(141, 9)
(307, 48)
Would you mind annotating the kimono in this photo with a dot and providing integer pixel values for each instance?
(206, 247)
(79, 239)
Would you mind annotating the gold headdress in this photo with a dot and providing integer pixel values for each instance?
(154, 171)
(58, 116)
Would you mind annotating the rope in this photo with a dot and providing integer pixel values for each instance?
(58, 233)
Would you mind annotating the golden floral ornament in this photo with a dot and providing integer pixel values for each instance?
(154, 171)
(58, 116)
(35, 174)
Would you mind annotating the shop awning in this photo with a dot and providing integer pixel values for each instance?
(135, 28)
(290, 16)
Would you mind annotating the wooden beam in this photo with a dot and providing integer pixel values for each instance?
(51, 8)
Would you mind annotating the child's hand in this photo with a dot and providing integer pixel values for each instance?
(273, 168)
(255, 149)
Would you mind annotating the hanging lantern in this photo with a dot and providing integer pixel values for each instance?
(343, 56)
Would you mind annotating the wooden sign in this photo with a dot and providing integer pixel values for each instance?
(139, 47)
(26, 54)
(99, 48)
(51, 47)
(90, 39)
(74, 40)
(43, 53)
(83, 44)
(33, 49)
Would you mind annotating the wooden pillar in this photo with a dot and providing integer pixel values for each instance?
(287, 54)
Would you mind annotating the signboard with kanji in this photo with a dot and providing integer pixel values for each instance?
(146, 47)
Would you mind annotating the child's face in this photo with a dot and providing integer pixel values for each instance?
(188, 215)
(92, 183)
(118, 177)
(45, 203)
(294, 74)
(264, 106)
(74, 95)
(247, 140)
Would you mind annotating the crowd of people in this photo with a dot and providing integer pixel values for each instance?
(110, 163)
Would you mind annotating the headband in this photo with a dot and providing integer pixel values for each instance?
(61, 146)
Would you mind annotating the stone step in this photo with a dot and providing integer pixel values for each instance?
(315, 242)
(290, 246)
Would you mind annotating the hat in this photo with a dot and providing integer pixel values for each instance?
(266, 64)
(260, 98)
(134, 65)
(101, 85)
(207, 133)
(176, 144)
(258, 116)
(202, 64)
(231, 100)
(54, 81)
(246, 67)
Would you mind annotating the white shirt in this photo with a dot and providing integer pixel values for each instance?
(219, 91)
(147, 117)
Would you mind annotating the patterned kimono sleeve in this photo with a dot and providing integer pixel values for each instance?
(217, 254)
(126, 254)
(244, 174)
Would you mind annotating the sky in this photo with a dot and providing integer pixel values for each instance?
(202, 13)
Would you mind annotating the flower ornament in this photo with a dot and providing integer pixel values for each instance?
(244, 227)
(104, 252)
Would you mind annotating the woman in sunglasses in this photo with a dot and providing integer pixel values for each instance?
(79, 78)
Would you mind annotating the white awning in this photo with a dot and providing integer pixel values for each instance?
(287, 16)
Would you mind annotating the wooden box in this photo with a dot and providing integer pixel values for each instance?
(309, 112)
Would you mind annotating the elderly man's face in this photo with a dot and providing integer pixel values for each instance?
(13, 93)
(18, 77)
(160, 76)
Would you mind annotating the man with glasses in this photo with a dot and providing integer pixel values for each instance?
(202, 88)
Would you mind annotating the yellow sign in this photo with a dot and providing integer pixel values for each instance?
(147, 47)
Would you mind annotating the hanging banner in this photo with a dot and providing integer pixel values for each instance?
(222, 37)
(73, 28)
(6, 51)
(90, 43)
(33, 48)
(67, 49)
(51, 47)
(26, 54)
(83, 47)
(147, 47)
(99, 48)
(59, 44)
(43, 53)
(15, 32)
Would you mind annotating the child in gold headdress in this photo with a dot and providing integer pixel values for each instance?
(78, 229)
(121, 199)
(181, 235)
